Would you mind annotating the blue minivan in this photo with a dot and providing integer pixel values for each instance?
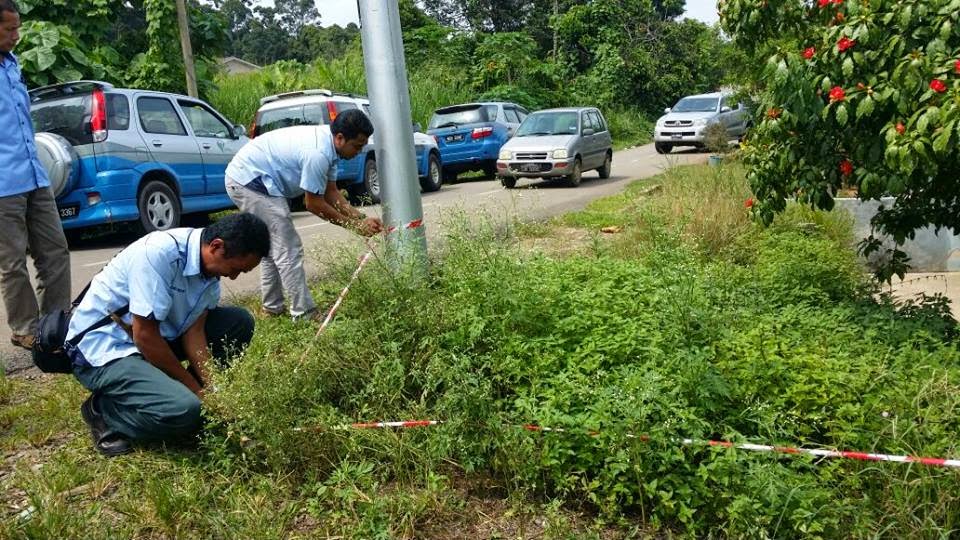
(121, 155)
(470, 135)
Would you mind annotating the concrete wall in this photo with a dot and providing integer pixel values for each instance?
(928, 251)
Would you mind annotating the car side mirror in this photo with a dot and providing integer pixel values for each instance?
(725, 109)
(588, 131)
(239, 131)
(667, 110)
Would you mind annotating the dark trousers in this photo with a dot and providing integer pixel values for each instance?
(141, 402)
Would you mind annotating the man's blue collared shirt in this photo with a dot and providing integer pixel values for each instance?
(160, 277)
(22, 171)
(288, 161)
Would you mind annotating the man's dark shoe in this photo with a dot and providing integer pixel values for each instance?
(107, 443)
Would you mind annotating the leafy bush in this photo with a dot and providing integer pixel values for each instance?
(716, 138)
(784, 345)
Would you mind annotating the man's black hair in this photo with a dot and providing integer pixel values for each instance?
(351, 124)
(8, 5)
(242, 234)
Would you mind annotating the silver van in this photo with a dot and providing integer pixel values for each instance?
(557, 143)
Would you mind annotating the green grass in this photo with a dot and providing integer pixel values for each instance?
(690, 322)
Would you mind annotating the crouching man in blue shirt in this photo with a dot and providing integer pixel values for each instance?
(171, 282)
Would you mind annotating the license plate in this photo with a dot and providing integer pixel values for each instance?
(529, 167)
(676, 136)
(454, 138)
(68, 212)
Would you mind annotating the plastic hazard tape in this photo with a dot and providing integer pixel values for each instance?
(411, 225)
(750, 447)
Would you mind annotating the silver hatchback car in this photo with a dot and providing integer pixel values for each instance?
(557, 143)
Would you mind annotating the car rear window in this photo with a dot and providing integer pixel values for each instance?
(68, 117)
(311, 114)
(456, 116)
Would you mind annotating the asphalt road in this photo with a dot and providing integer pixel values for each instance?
(530, 200)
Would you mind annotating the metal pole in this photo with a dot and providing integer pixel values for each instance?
(389, 95)
(188, 68)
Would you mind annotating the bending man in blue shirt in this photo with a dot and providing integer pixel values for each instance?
(293, 162)
(28, 212)
(171, 282)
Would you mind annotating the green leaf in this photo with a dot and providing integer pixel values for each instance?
(847, 66)
(45, 58)
(77, 56)
(842, 114)
(66, 73)
(49, 36)
(941, 141)
(865, 107)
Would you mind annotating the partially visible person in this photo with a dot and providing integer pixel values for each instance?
(170, 280)
(293, 162)
(28, 210)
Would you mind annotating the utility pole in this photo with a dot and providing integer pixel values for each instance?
(188, 68)
(389, 95)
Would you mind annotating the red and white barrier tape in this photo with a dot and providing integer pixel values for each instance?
(411, 225)
(750, 447)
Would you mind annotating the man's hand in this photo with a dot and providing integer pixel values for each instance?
(369, 226)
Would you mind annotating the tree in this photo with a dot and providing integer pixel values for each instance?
(862, 94)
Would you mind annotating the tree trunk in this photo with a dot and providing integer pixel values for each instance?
(188, 68)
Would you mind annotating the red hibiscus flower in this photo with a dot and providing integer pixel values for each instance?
(900, 128)
(823, 3)
(956, 67)
(837, 2)
(845, 43)
(938, 86)
(749, 203)
(810, 51)
(837, 94)
(846, 168)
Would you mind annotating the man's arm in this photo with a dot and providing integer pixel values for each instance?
(195, 346)
(147, 338)
(333, 207)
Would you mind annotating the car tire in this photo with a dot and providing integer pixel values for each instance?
(59, 160)
(508, 182)
(434, 179)
(449, 177)
(573, 179)
(663, 148)
(490, 170)
(604, 171)
(159, 207)
(371, 180)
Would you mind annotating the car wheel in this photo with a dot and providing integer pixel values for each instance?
(159, 207)
(573, 179)
(663, 148)
(508, 182)
(490, 170)
(433, 180)
(371, 180)
(605, 170)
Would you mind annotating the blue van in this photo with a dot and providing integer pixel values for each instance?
(470, 135)
(119, 155)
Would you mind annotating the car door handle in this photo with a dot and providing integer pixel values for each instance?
(205, 146)
(156, 143)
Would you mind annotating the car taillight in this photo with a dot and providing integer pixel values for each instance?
(98, 116)
(331, 111)
(479, 133)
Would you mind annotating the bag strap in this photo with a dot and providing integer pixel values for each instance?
(107, 319)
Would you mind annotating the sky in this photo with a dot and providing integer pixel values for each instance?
(344, 12)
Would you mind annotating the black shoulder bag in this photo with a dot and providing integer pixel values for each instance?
(48, 347)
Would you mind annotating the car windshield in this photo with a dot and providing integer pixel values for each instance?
(549, 123)
(697, 104)
(457, 117)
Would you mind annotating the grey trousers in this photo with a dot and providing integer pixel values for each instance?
(282, 271)
(30, 220)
